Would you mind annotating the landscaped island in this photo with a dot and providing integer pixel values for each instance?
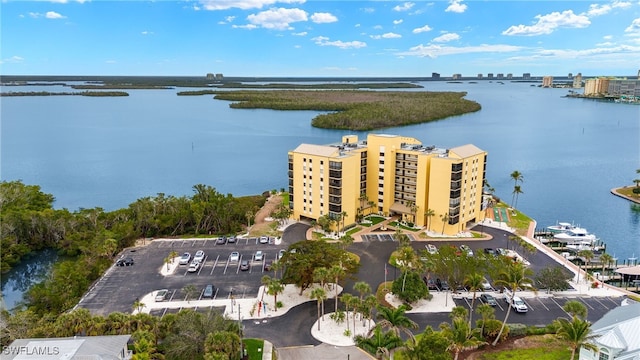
(357, 110)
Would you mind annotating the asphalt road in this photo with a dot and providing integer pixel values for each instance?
(121, 286)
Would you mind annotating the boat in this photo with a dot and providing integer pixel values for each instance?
(560, 227)
(575, 236)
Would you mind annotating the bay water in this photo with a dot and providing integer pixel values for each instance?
(109, 151)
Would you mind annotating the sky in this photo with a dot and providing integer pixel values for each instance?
(298, 38)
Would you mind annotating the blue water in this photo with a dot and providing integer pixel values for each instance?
(108, 152)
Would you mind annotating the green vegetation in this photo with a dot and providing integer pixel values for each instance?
(354, 230)
(358, 110)
(90, 238)
(327, 86)
(551, 351)
(254, 348)
(120, 86)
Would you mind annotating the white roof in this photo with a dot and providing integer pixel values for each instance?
(620, 329)
(319, 150)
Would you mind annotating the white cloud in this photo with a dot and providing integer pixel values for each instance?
(574, 54)
(66, 1)
(549, 23)
(243, 4)
(404, 7)
(110, 61)
(369, 10)
(434, 51)
(388, 35)
(54, 15)
(422, 29)
(304, 33)
(12, 60)
(230, 18)
(323, 18)
(456, 6)
(147, 32)
(277, 19)
(634, 28)
(324, 41)
(599, 9)
(447, 37)
(608, 37)
(397, 22)
(357, 25)
(378, 27)
(247, 26)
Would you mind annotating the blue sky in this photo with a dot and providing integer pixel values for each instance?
(319, 38)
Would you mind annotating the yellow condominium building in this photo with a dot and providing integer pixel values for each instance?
(389, 175)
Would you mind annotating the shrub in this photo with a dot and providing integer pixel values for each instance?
(517, 329)
(279, 304)
(538, 330)
(492, 328)
(347, 333)
(338, 317)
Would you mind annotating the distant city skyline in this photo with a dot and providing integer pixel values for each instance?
(297, 38)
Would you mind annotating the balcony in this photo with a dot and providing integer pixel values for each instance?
(335, 183)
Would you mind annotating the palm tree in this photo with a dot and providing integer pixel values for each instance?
(321, 275)
(514, 276)
(343, 215)
(575, 308)
(173, 254)
(346, 240)
(379, 343)
(516, 176)
(138, 305)
(274, 287)
(587, 255)
(517, 190)
(444, 217)
(396, 320)
(348, 299)
(189, 292)
(460, 336)
(429, 213)
(576, 332)
(474, 282)
(336, 272)
(319, 294)
(363, 288)
(605, 259)
(486, 312)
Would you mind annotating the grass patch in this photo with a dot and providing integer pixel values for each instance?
(628, 191)
(354, 230)
(382, 290)
(254, 348)
(517, 220)
(375, 219)
(285, 199)
(546, 353)
(401, 226)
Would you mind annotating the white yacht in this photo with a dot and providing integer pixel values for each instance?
(560, 227)
(576, 236)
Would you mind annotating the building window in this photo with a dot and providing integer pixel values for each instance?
(304, 159)
(321, 162)
(310, 160)
(604, 354)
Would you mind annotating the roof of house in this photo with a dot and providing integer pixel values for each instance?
(71, 348)
(619, 329)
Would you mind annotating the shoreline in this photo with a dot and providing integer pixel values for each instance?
(615, 192)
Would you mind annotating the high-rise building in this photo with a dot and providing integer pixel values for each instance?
(390, 175)
(547, 81)
(526, 76)
(435, 75)
(577, 81)
(598, 86)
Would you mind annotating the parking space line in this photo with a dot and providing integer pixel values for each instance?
(215, 263)
(610, 299)
(540, 301)
(601, 303)
(528, 304)
(193, 243)
(586, 303)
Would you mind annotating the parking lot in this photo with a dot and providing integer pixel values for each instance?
(543, 309)
(121, 286)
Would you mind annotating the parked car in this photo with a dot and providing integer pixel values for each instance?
(431, 284)
(466, 249)
(128, 261)
(488, 299)
(281, 253)
(486, 285)
(259, 256)
(490, 251)
(442, 284)
(267, 265)
(432, 249)
(244, 265)
(232, 239)
(264, 240)
(199, 256)
(209, 291)
(162, 295)
(194, 266)
(235, 256)
(221, 240)
(185, 258)
(518, 304)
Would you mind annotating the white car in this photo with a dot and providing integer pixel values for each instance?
(281, 253)
(185, 258)
(194, 266)
(264, 240)
(199, 256)
(432, 249)
(486, 285)
(258, 256)
(518, 305)
(162, 295)
(234, 257)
